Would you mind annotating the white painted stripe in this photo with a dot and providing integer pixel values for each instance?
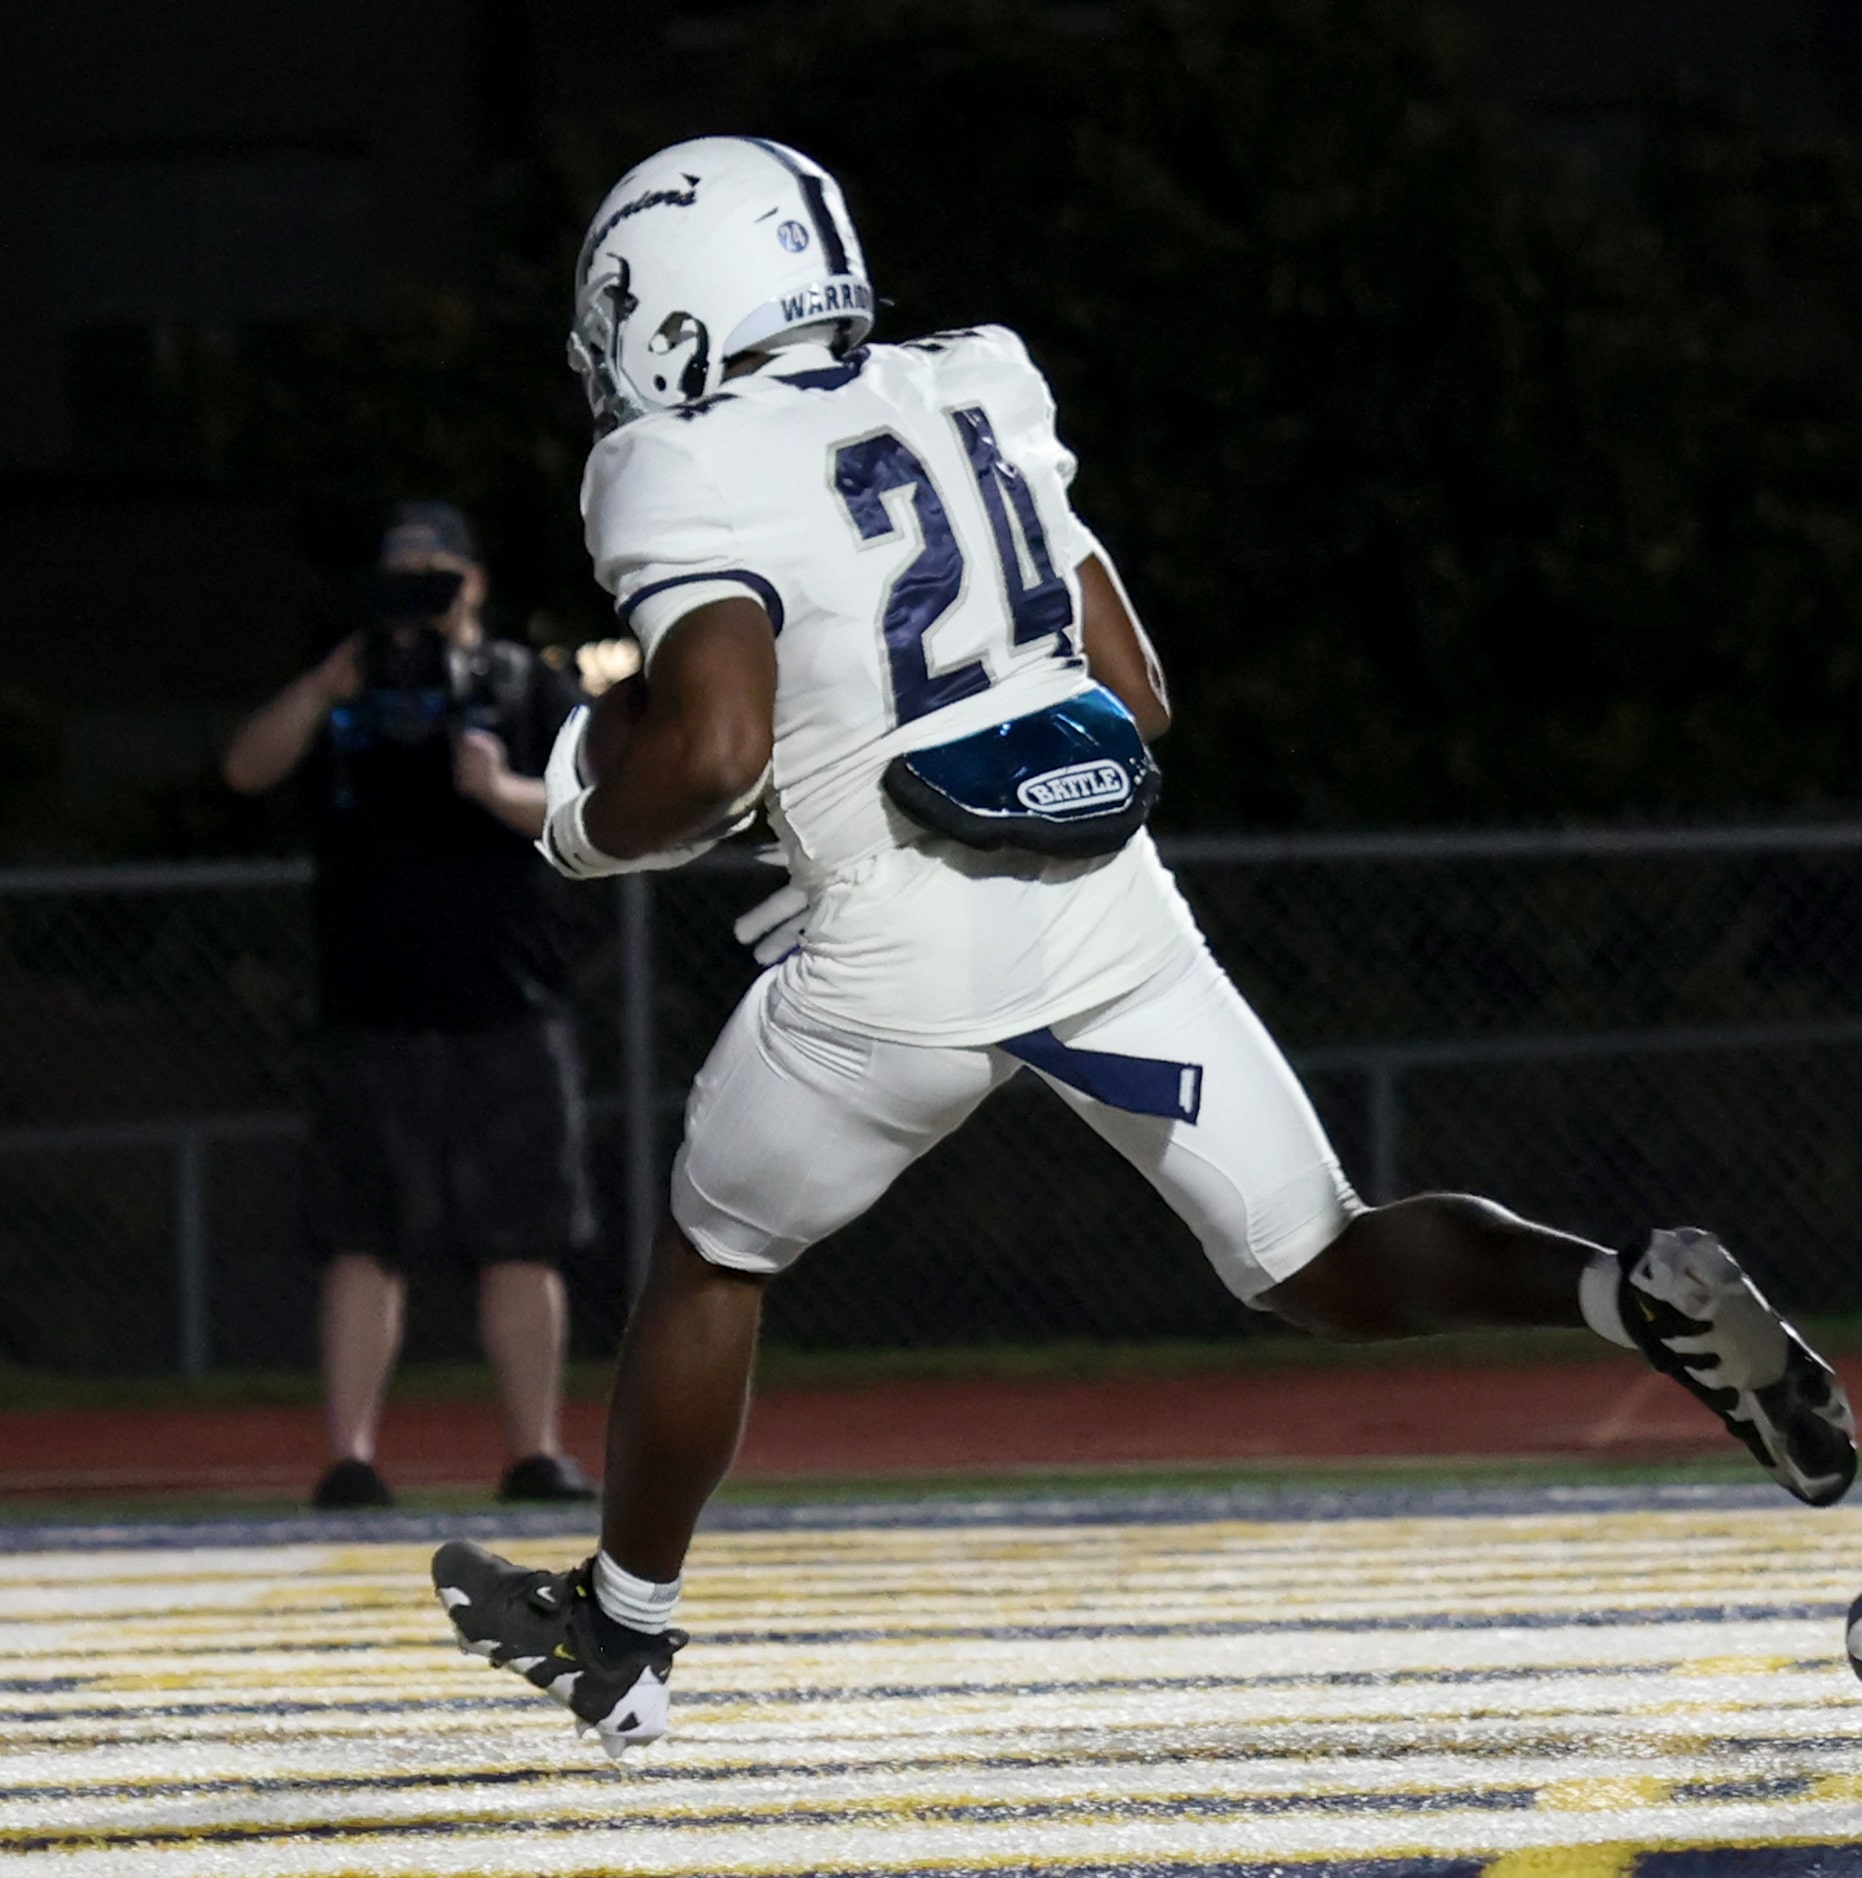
(253, 1694)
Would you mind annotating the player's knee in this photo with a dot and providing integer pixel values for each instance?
(685, 1261)
(1345, 1294)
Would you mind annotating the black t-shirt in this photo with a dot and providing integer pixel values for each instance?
(431, 913)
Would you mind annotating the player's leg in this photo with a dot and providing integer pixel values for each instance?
(1437, 1262)
(518, 1203)
(1238, 1152)
(681, 1396)
(793, 1129)
(1255, 1178)
(599, 1638)
(1450, 1261)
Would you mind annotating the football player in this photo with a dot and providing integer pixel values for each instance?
(867, 605)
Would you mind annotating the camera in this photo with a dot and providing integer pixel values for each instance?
(416, 685)
(403, 648)
(418, 688)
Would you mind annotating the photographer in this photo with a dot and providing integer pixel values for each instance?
(449, 1116)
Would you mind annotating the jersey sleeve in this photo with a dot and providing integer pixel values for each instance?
(658, 530)
(1022, 405)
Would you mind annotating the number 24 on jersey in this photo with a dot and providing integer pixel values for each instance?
(865, 472)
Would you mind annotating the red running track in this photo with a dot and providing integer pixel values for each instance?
(1612, 1408)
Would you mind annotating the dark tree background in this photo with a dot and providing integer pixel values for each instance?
(1461, 480)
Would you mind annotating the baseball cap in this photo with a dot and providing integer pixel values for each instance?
(428, 528)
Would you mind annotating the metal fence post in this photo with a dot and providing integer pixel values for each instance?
(191, 1251)
(639, 1078)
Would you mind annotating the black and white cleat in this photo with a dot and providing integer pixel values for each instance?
(1698, 1318)
(544, 1625)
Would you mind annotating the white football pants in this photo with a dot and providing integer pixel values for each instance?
(793, 1129)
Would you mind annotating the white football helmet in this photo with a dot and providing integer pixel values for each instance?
(711, 248)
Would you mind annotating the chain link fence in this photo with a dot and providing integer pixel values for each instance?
(1604, 1030)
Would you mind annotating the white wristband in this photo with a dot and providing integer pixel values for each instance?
(567, 848)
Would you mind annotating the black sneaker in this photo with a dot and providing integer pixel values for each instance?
(350, 1484)
(546, 1626)
(1701, 1320)
(546, 1477)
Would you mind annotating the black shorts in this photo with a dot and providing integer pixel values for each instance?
(433, 1145)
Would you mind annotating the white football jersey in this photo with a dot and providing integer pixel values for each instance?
(902, 516)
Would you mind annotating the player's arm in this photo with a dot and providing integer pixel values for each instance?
(702, 743)
(1119, 652)
(274, 740)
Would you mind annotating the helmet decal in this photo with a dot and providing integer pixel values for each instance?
(661, 199)
(677, 330)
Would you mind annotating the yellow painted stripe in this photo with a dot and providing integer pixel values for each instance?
(1574, 1861)
(1618, 1792)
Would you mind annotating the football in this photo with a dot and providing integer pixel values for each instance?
(611, 719)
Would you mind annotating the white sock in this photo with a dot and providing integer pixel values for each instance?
(638, 1603)
(1597, 1299)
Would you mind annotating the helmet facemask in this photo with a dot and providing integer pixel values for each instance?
(595, 350)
